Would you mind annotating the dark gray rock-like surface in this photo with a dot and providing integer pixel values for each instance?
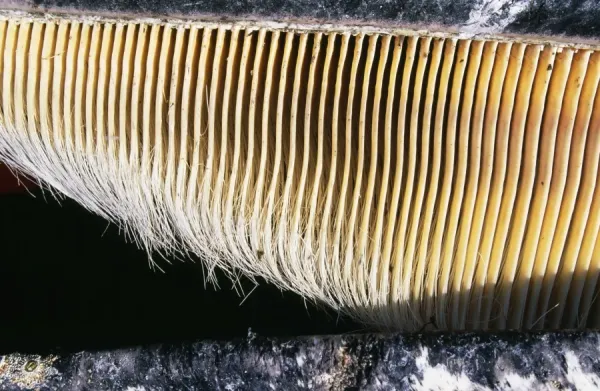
(539, 17)
(506, 361)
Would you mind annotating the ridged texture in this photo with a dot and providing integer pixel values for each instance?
(406, 180)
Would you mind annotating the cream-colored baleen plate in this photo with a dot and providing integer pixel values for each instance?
(406, 180)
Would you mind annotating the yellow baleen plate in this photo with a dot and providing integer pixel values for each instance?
(405, 179)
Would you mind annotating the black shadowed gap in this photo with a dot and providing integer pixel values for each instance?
(70, 280)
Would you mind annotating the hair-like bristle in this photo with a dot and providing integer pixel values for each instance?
(404, 179)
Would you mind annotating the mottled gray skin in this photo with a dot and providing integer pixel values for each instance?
(352, 362)
(537, 17)
(559, 17)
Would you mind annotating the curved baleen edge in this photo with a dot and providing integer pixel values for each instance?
(409, 179)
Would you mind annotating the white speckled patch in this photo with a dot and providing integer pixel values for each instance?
(436, 377)
(581, 379)
(494, 15)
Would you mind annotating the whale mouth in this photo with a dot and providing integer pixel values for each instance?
(407, 179)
